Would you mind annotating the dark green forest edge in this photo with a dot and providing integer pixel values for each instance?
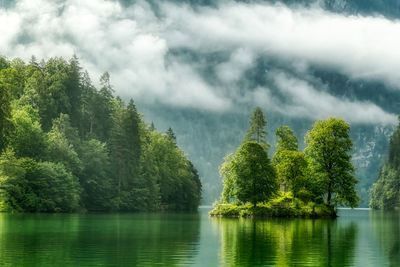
(385, 193)
(312, 183)
(69, 147)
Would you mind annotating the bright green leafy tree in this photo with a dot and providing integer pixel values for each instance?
(287, 158)
(328, 153)
(255, 177)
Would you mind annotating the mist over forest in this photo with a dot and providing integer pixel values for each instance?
(201, 67)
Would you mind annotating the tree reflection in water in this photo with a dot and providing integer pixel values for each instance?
(286, 242)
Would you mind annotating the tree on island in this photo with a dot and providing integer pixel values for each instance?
(290, 164)
(328, 154)
(257, 132)
(323, 170)
(248, 174)
(254, 173)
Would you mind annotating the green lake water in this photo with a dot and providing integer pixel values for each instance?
(356, 238)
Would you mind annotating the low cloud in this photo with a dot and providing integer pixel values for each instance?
(303, 100)
(136, 44)
(360, 47)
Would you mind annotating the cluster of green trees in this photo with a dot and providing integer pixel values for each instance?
(385, 193)
(67, 146)
(322, 173)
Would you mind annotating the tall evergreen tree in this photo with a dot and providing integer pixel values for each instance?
(74, 90)
(257, 132)
(171, 135)
(126, 150)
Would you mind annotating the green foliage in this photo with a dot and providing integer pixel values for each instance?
(72, 147)
(57, 189)
(126, 152)
(228, 179)
(4, 64)
(394, 148)
(60, 149)
(13, 79)
(16, 195)
(171, 135)
(96, 179)
(27, 138)
(291, 170)
(328, 154)
(290, 165)
(385, 193)
(5, 115)
(323, 170)
(257, 132)
(286, 139)
(37, 187)
(254, 177)
(283, 205)
(178, 180)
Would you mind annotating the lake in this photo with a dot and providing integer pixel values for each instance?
(356, 238)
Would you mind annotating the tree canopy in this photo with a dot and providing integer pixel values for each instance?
(328, 153)
(323, 173)
(257, 132)
(255, 176)
(68, 146)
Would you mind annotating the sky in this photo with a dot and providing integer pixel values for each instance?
(209, 57)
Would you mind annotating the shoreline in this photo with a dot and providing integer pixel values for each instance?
(295, 209)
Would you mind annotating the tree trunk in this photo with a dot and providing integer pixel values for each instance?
(329, 193)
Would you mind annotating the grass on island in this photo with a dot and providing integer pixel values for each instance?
(284, 205)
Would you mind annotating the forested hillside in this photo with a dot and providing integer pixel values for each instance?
(68, 146)
(385, 193)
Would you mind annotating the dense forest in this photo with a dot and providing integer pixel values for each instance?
(385, 193)
(309, 183)
(68, 146)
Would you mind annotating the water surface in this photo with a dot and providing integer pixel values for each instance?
(356, 238)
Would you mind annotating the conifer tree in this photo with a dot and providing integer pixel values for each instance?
(257, 132)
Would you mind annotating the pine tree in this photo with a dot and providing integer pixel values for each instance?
(74, 89)
(257, 132)
(171, 135)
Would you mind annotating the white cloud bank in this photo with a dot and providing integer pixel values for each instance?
(134, 44)
(306, 101)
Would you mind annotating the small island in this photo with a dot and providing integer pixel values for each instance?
(308, 184)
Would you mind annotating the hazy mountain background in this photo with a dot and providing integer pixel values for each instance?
(202, 66)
